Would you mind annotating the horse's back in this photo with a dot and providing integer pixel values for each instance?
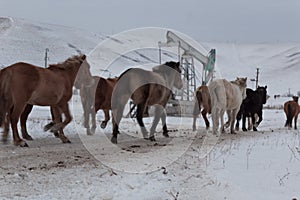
(291, 107)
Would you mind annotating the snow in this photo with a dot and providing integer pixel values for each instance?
(188, 165)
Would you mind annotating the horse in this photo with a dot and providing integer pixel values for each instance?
(291, 109)
(146, 88)
(96, 97)
(253, 104)
(23, 83)
(202, 99)
(226, 96)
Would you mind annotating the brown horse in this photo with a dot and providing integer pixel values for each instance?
(202, 99)
(146, 88)
(23, 83)
(291, 109)
(95, 98)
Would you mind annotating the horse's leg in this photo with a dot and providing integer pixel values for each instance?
(139, 117)
(238, 118)
(260, 118)
(93, 115)
(233, 116)
(227, 124)
(244, 122)
(64, 108)
(6, 128)
(23, 119)
(215, 119)
(204, 113)
(196, 112)
(117, 116)
(14, 118)
(250, 124)
(52, 123)
(295, 121)
(222, 119)
(157, 114)
(163, 118)
(106, 118)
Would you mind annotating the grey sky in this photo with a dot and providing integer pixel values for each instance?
(212, 20)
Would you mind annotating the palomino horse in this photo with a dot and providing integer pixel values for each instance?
(95, 98)
(23, 83)
(291, 109)
(226, 96)
(253, 104)
(146, 88)
(202, 99)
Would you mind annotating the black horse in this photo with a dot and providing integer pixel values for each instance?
(253, 104)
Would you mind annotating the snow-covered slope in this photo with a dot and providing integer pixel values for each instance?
(21, 40)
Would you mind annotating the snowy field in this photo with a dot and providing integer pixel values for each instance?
(261, 165)
(188, 165)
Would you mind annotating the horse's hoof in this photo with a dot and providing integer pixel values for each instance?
(28, 137)
(254, 128)
(56, 134)
(166, 134)
(244, 129)
(233, 132)
(152, 139)
(114, 140)
(66, 141)
(21, 144)
(4, 139)
(103, 125)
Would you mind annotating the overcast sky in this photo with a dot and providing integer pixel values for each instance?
(212, 20)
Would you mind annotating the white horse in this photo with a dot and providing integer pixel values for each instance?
(226, 96)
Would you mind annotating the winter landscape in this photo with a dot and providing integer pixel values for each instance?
(189, 165)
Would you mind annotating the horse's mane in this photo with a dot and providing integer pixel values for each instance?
(69, 63)
(163, 68)
(241, 82)
(124, 73)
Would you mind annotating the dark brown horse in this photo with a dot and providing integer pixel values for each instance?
(291, 109)
(95, 98)
(146, 88)
(202, 100)
(23, 83)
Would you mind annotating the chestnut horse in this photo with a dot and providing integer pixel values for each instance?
(97, 97)
(291, 109)
(146, 88)
(23, 83)
(202, 100)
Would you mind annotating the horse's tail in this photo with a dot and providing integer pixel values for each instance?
(5, 81)
(218, 95)
(197, 102)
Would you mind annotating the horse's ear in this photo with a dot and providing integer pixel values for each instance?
(266, 87)
(83, 57)
(178, 64)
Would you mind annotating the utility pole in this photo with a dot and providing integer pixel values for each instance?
(256, 81)
(46, 57)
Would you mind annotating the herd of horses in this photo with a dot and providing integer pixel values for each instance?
(23, 85)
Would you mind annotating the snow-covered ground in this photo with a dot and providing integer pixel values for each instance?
(188, 165)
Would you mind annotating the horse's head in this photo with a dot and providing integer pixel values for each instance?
(177, 73)
(84, 76)
(262, 91)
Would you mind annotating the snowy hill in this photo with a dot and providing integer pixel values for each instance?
(22, 40)
(26, 41)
